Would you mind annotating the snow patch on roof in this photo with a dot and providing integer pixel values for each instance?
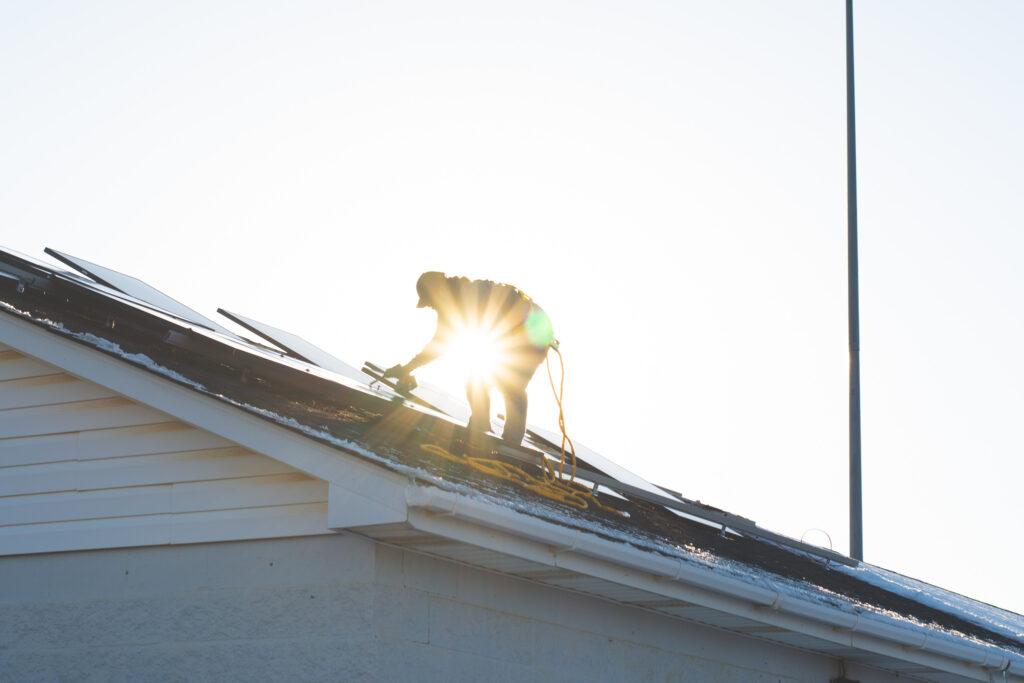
(110, 347)
(992, 618)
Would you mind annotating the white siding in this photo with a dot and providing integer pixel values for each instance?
(82, 468)
(14, 365)
(340, 608)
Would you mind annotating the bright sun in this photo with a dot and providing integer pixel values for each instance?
(475, 355)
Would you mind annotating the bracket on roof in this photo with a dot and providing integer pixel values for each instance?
(19, 284)
(23, 277)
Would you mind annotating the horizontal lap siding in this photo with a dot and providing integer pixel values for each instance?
(167, 437)
(81, 468)
(76, 417)
(142, 470)
(14, 365)
(48, 390)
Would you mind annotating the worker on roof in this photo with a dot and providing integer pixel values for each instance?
(511, 334)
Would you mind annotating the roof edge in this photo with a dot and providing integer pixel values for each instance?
(452, 515)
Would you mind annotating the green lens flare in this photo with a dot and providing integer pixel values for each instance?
(538, 328)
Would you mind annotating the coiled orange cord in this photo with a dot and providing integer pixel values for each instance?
(561, 414)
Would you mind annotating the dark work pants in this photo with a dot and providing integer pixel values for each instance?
(511, 381)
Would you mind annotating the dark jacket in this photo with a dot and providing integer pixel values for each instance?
(506, 316)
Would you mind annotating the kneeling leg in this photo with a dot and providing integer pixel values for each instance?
(479, 395)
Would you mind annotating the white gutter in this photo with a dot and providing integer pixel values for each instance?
(765, 602)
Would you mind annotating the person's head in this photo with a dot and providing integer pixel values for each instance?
(429, 287)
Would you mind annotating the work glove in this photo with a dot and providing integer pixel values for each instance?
(398, 371)
(405, 384)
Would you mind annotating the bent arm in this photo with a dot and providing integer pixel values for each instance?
(434, 348)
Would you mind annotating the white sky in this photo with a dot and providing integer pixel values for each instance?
(666, 179)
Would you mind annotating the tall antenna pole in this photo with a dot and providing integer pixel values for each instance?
(856, 512)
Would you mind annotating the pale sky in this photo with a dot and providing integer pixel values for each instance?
(666, 179)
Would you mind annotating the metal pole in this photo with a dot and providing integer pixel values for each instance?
(856, 513)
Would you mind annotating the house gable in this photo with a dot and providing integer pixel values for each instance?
(85, 467)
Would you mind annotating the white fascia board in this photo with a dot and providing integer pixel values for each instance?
(372, 504)
(344, 471)
(506, 531)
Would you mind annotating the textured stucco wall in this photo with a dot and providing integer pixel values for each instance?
(342, 608)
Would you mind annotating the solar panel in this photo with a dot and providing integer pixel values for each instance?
(29, 271)
(437, 398)
(137, 289)
(447, 403)
(598, 462)
(25, 261)
(295, 346)
(536, 437)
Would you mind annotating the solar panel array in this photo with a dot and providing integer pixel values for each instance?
(287, 349)
(137, 289)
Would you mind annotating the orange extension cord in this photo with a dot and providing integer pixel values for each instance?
(551, 485)
(561, 414)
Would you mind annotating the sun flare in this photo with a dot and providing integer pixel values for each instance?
(475, 353)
